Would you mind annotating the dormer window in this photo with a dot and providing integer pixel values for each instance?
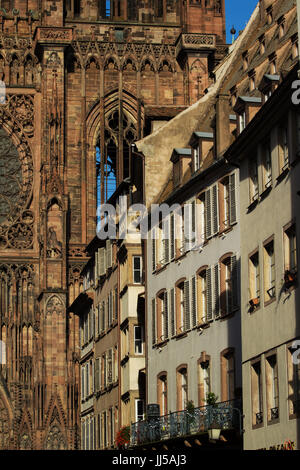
(246, 108)
(270, 14)
(268, 85)
(281, 24)
(181, 159)
(201, 143)
(272, 66)
(262, 44)
(252, 80)
(245, 60)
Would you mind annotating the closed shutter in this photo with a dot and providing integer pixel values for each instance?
(100, 372)
(108, 254)
(194, 301)
(101, 261)
(208, 221)
(153, 251)
(215, 209)
(232, 195)
(166, 316)
(167, 241)
(153, 321)
(172, 311)
(116, 303)
(97, 375)
(96, 266)
(186, 293)
(109, 367)
(216, 291)
(172, 236)
(82, 383)
(209, 312)
(194, 237)
(234, 282)
(104, 371)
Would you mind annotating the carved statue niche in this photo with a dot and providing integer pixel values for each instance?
(54, 230)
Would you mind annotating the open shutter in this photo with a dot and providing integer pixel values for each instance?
(172, 311)
(97, 375)
(232, 193)
(153, 251)
(167, 241)
(186, 293)
(194, 237)
(166, 316)
(108, 254)
(215, 209)
(216, 291)
(194, 301)
(101, 261)
(96, 266)
(116, 303)
(208, 221)
(94, 376)
(209, 312)
(234, 282)
(153, 321)
(172, 236)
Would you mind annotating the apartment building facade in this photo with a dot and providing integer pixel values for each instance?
(269, 171)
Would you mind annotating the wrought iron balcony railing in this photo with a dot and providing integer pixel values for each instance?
(225, 415)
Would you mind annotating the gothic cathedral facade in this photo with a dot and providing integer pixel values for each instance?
(83, 80)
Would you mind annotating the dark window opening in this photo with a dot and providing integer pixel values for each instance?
(76, 7)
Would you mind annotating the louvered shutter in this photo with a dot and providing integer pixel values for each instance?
(153, 321)
(232, 195)
(216, 291)
(116, 303)
(234, 283)
(215, 209)
(104, 371)
(108, 254)
(186, 293)
(96, 266)
(209, 304)
(172, 311)
(94, 376)
(172, 236)
(194, 301)
(97, 375)
(153, 251)
(166, 316)
(102, 261)
(167, 241)
(193, 240)
(208, 221)
(100, 373)
(82, 382)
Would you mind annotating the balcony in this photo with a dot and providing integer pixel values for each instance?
(223, 416)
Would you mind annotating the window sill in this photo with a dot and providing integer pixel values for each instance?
(161, 268)
(252, 206)
(204, 325)
(181, 335)
(274, 421)
(162, 343)
(265, 193)
(282, 175)
(253, 310)
(179, 256)
(269, 302)
(257, 426)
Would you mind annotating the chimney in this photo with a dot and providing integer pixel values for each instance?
(222, 134)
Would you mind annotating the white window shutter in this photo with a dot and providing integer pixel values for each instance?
(186, 293)
(216, 290)
(209, 313)
(166, 316)
(167, 241)
(194, 301)
(208, 220)
(215, 208)
(232, 195)
(102, 261)
(108, 254)
(172, 311)
(172, 236)
(153, 321)
(234, 282)
(153, 251)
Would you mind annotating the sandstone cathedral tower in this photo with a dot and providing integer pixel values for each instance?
(84, 79)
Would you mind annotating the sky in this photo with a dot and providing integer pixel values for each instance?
(238, 13)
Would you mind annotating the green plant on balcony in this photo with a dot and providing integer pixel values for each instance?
(211, 399)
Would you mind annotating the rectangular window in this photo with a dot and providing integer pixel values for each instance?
(242, 121)
(138, 339)
(290, 249)
(269, 271)
(254, 280)
(293, 382)
(272, 387)
(283, 148)
(204, 379)
(253, 179)
(196, 152)
(163, 394)
(137, 269)
(202, 297)
(182, 389)
(139, 410)
(267, 165)
(256, 389)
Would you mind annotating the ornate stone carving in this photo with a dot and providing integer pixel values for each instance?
(55, 305)
(55, 439)
(4, 426)
(54, 247)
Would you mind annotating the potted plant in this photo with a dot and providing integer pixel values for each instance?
(190, 414)
(214, 430)
(123, 437)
